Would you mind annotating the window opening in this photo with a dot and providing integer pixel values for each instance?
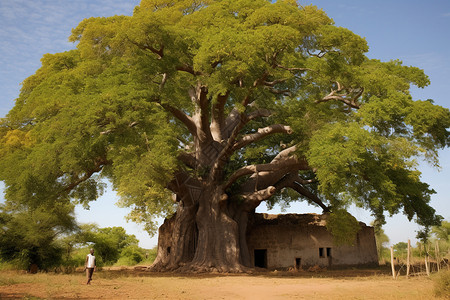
(321, 252)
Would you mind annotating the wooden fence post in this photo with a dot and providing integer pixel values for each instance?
(408, 259)
(436, 254)
(392, 262)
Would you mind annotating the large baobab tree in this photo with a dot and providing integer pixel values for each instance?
(202, 110)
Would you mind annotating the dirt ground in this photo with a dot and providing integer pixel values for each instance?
(129, 284)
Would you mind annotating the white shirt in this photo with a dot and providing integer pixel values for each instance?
(90, 261)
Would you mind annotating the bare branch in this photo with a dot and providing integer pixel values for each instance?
(249, 170)
(319, 55)
(262, 133)
(107, 131)
(347, 96)
(285, 154)
(258, 114)
(294, 181)
(260, 195)
(322, 52)
(274, 82)
(282, 163)
(163, 81)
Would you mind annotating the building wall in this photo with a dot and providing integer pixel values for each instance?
(304, 244)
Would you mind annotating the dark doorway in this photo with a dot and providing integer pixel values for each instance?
(298, 263)
(261, 258)
(330, 259)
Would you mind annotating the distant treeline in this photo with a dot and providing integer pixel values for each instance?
(51, 238)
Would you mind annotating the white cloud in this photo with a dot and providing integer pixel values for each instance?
(31, 28)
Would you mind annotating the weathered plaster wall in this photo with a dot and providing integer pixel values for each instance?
(297, 239)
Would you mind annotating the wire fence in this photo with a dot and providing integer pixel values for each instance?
(424, 264)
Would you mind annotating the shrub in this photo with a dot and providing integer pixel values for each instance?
(131, 255)
(442, 284)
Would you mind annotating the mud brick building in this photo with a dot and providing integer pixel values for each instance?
(302, 240)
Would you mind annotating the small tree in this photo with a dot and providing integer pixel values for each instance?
(30, 235)
(108, 242)
(442, 234)
(400, 249)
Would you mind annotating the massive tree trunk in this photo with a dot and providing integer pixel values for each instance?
(177, 240)
(218, 236)
(202, 237)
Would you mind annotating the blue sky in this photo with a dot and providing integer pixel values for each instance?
(413, 31)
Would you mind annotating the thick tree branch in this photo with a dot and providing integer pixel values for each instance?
(227, 149)
(252, 169)
(286, 93)
(283, 163)
(347, 96)
(189, 69)
(285, 154)
(188, 159)
(159, 52)
(262, 133)
(274, 82)
(261, 80)
(294, 181)
(163, 81)
(252, 200)
(202, 95)
(184, 118)
(217, 117)
(258, 114)
(99, 163)
(295, 185)
(201, 116)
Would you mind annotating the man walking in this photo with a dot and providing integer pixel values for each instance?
(90, 266)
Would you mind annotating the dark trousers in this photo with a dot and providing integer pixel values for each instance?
(89, 272)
